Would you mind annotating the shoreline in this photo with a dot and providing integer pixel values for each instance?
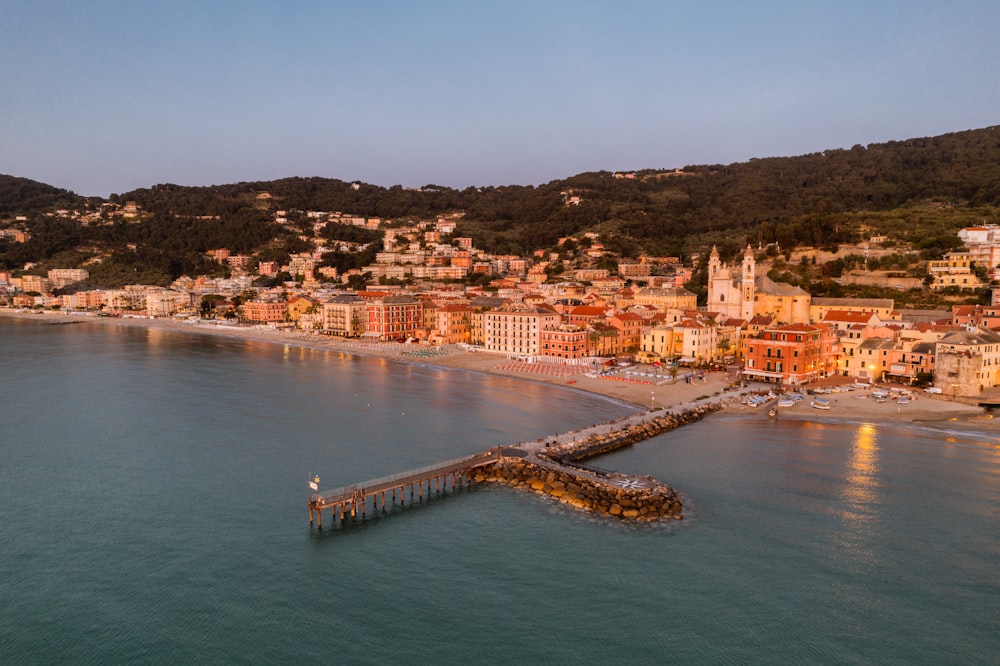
(924, 410)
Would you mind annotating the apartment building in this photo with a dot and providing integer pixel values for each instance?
(345, 315)
(791, 354)
(517, 331)
(394, 317)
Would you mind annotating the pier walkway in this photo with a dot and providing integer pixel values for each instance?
(553, 455)
(352, 500)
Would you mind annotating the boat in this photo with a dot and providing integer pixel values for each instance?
(786, 402)
(820, 403)
(772, 412)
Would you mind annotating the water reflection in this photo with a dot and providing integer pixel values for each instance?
(859, 505)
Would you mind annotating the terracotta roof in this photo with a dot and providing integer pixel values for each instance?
(849, 316)
(587, 311)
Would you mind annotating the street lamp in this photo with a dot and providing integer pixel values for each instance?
(871, 374)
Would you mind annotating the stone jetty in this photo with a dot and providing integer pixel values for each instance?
(556, 470)
(551, 466)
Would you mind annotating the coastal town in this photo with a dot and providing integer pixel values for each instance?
(576, 310)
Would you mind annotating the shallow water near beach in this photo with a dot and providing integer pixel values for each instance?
(153, 503)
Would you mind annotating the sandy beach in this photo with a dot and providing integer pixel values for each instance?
(640, 390)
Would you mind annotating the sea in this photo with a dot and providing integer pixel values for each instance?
(153, 509)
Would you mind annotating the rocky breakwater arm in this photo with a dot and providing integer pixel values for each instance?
(552, 471)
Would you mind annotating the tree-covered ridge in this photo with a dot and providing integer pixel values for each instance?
(661, 212)
(22, 196)
(918, 191)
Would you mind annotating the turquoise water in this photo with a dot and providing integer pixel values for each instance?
(153, 488)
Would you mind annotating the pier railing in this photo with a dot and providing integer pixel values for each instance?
(407, 477)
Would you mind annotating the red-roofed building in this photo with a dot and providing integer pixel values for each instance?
(565, 341)
(394, 317)
(975, 316)
(630, 326)
(791, 354)
(842, 320)
(584, 315)
(452, 324)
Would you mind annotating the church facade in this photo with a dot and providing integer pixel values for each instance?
(731, 289)
(735, 291)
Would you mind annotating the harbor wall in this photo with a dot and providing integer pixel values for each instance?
(606, 493)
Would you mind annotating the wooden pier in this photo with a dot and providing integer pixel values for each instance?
(352, 501)
(549, 465)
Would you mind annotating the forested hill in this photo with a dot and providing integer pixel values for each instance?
(22, 196)
(661, 211)
(789, 200)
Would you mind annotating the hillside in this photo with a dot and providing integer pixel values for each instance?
(21, 196)
(919, 189)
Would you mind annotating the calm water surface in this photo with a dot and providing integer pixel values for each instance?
(153, 488)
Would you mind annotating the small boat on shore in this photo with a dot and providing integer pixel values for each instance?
(772, 412)
(820, 403)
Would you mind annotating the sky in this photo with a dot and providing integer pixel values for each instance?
(103, 97)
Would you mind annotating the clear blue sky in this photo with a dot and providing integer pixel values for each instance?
(101, 97)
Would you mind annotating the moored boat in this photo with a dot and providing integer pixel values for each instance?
(820, 403)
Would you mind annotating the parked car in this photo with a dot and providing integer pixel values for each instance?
(933, 389)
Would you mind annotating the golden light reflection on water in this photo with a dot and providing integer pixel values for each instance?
(859, 508)
(862, 468)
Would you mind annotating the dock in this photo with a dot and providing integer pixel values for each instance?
(549, 465)
(351, 501)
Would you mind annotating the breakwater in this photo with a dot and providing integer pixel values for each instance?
(555, 471)
(550, 466)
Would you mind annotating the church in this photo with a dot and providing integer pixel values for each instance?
(736, 292)
(731, 292)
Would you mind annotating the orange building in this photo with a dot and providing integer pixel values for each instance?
(452, 323)
(565, 341)
(394, 317)
(265, 312)
(791, 354)
(631, 327)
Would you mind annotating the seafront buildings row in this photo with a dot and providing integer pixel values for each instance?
(775, 331)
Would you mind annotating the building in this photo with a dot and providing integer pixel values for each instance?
(785, 302)
(452, 324)
(791, 354)
(517, 331)
(954, 270)
(843, 320)
(630, 326)
(165, 302)
(394, 317)
(264, 312)
(664, 298)
(565, 341)
(35, 283)
(345, 315)
(61, 277)
(730, 288)
(966, 362)
(883, 307)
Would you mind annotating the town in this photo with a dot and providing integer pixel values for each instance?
(435, 291)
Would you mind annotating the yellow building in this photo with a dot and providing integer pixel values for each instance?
(665, 298)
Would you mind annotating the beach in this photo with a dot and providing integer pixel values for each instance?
(642, 390)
